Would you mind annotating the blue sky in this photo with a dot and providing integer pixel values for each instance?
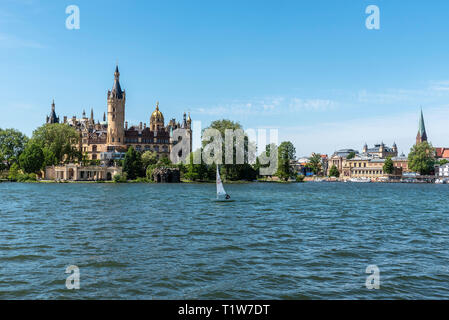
(309, 68)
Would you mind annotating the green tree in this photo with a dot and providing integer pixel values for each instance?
(14, 172)
(12, 144)
(32, 158)
(422, 158)
(315, 163)
(286, 154)
(49, 158)
(59, 138)
(333, 172)
(351, 155)
(149, 158)
(132, 165)
(443, 162)
(388, 166)
(235, 171)
(195, 172)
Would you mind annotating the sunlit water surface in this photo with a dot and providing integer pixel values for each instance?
(276, 241)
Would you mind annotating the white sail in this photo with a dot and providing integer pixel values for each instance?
(220, 189)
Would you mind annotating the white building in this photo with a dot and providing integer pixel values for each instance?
(443, 171)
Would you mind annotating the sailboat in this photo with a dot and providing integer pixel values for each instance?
(221, 193)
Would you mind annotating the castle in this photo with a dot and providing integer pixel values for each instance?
(111, 138)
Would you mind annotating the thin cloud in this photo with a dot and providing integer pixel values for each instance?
(12, 42)
(269, 106)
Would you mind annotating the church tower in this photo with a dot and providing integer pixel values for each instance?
(422, 135)
(116, 112)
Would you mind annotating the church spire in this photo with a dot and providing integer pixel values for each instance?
(422, 134)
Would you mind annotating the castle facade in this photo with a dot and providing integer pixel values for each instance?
(110, 138)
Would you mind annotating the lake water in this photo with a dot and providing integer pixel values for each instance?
(276, 241)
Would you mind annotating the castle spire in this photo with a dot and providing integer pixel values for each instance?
(53, 118)
(116, 88)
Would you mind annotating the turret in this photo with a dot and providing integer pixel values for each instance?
(52, 118)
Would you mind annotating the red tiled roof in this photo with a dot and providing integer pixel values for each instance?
(442, 152)
(445, 154)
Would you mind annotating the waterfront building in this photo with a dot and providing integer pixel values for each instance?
(77, 172)
(443, 171)
(367, 164)
(110, 138)
(401, 163)
(364, 166)
(380, 151)
(338, 159)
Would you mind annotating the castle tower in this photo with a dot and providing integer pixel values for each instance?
(53, 118)
(422, 135)
(156, 119)
(365, 148)
(116, 112)
(395, 148)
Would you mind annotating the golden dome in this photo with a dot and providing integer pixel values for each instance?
(157, 115)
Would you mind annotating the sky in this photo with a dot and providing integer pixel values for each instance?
(310, 69)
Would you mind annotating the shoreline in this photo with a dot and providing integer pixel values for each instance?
(213, 182)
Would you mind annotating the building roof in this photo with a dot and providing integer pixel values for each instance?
(442, 152)
(344, 152)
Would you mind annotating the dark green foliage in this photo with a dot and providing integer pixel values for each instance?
(60, 139)
(12, 144)
(32, 158)
(422, 158)
(388, 166)
(286, 154)
(333, 172)
(132, 165)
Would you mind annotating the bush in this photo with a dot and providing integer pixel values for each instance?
(149, 173)
(120, 178)
(14, 172)
(141, 180)
(300, 178)
(27, 177)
